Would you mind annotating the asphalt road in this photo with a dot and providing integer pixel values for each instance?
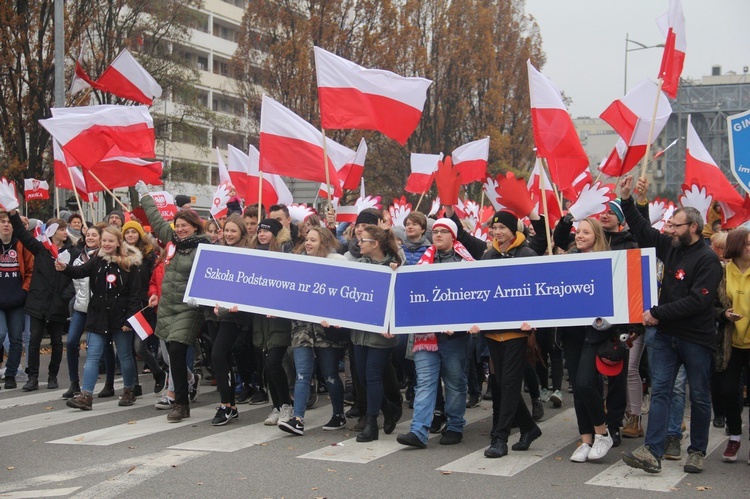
(49, 450)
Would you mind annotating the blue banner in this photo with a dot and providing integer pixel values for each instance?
(739, 147)
(543, 291)
(293, 286)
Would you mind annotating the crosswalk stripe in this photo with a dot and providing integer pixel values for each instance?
(54, 418)
(622, 475)
(247, 436)
(351, 451)
(161, 458)
(42, 493)
(135, 429)
(44, 396)
(565, 432)
(145, 470)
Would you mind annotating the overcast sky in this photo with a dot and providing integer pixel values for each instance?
(585, 43)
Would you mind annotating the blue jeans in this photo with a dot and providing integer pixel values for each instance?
(73, 343)
(12, 323)
(448, 363)
(677, 407)
(96, 345)
(304, 363)
(666, 354)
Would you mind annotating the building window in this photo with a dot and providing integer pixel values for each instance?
(202, 63)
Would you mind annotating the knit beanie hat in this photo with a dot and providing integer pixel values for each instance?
(616, 206)
(446, 223)
(117, 213)
(132, 224)
(507, 218)
(271, 225)
(366, 217)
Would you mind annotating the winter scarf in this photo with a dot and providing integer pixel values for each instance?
(428, 341)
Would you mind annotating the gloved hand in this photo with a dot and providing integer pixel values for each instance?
(8, 195)
(141, 188)
(192, 303)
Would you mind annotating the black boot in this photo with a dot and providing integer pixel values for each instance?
(370, 432)
(391, 415)
(107, 391)
(75, 389)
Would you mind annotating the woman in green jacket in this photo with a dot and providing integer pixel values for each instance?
(177, 323)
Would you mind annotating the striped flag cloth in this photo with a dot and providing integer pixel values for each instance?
(140, 325)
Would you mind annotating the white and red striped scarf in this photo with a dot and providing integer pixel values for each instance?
(428, 341)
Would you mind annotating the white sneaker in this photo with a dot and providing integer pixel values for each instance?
(273, 418)
(581, 454)
(287, 411)
(556, 398)
(602, 444)
(2, 373)
(646, 403)
(544, 395)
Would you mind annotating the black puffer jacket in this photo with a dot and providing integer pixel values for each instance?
(115, 292)
(50, 291)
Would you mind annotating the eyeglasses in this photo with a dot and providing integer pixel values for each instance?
(441, 232)
(363, 240)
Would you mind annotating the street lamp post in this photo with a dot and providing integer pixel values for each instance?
(640, 46)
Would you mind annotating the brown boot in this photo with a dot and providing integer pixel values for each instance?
(632, 427)
(127, 398)
(178, 413)
(81, 401)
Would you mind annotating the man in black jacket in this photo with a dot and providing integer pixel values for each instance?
(686, 330)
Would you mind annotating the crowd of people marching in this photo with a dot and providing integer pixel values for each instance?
(696, 340)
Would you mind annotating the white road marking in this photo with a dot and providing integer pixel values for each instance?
(247, 436)
(136, 429)
(622, 475)
(43, 396)
(557, 432)
(351, 451)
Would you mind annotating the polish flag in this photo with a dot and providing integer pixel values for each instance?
(535, 190)
(471, 160)
(81, 80)
(631, 119)
(702, 170)
(238, 167)
(61, 165)
(347, 214)
(35, 189)
(291, 146)
(223, 171)
(340, 156)
(351, 173)
(368, 99)
(423, 168)
(126, 78)
(125, 172)
(140, 325)
(672, 25)
(91, 134)
(554, 135)
(275, 190)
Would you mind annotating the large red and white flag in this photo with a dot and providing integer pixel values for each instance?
(126, 78)
(534, 186)
(140, 325)
(90, 134)
(122, 171)
(471, 160)
(554, 134)
(672, 25)
(291, 146)
(423, 168)
(368, 99)
(702, 170)
(274, 189)
(631, 119)
(35, 189)
(238, 168)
